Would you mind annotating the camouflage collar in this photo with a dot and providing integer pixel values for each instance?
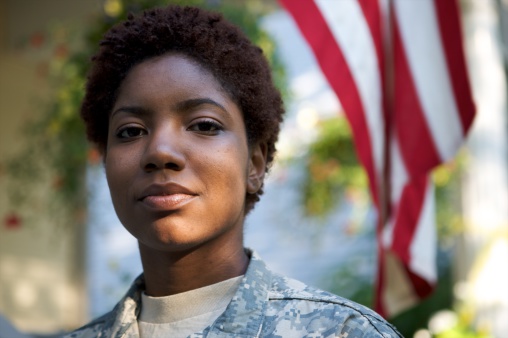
(243, 316)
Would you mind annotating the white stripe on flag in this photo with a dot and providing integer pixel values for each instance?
(422, 43)
(424, 244)
(347, 23)
(398, 179)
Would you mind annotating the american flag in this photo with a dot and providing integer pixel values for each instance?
(399, 71)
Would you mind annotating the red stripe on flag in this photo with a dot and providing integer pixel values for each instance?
(417, 147)
(447, 13)
(373, 16)
(408, 213)
(334, 66)
(420, 286)
(372, 13)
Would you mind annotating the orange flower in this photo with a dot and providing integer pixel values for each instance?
(37, 40)
(61, 51)
(94, 157)
(58, 183)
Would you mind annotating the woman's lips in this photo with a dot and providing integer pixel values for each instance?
(168, 196)
(166, 202)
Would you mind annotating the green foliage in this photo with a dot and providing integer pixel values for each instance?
(48, 172)
(447, 185)
(57, 153)
(347, 282)
(331, 167)
(463, 331)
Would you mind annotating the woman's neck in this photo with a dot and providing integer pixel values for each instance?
(169, 273)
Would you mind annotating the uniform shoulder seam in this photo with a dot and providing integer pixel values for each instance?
(337, 300)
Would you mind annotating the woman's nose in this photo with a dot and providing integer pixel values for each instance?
(163, 151)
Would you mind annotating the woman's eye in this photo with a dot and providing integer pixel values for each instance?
(206, 127)
(130, 132)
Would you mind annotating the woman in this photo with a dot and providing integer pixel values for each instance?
(184, 110)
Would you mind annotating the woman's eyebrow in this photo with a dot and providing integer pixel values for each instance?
(193, 103)
(134, 110)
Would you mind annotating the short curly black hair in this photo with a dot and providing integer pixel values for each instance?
(207, 38)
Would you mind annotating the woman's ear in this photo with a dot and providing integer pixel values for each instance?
(257, 167)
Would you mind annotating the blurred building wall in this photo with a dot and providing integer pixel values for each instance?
(483, 261)
(40, 270)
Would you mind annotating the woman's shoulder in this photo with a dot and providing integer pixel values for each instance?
(112, 324)
(117, 322)
(294, 307)
(96, 328)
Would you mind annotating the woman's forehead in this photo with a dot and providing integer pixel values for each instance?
(186, 67)
(172, 82)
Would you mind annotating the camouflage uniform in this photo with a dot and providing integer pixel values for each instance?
(265, 305)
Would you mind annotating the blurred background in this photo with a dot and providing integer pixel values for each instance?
(65, 258)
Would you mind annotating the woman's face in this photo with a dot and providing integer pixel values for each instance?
(177, 160)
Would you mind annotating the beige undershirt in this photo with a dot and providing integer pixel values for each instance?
(185, 313)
